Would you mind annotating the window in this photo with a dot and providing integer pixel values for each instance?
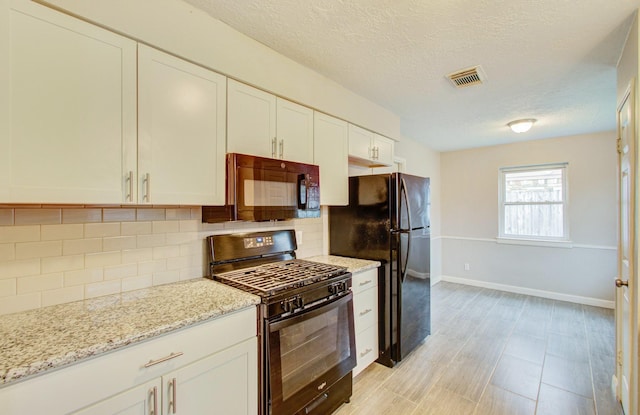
(533, 202)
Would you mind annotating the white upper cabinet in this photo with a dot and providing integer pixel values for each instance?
(294, 128)
(67, 108)
(331, 147)
(251, 120)
(368, 148)
(262, 125)
(181, 131)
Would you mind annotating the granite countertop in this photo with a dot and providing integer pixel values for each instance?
(352, 264)
(34, 341)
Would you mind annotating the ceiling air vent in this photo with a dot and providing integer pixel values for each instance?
(467, 77)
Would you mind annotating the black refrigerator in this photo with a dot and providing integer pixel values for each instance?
(387, 220)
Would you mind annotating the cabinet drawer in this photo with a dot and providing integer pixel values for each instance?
(364, 280)
(366, 348)
(365, 309)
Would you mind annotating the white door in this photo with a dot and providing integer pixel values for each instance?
(181, 131)
(331, 146)
(144, 399)
(251, 121)
(294, 129)
(223, 383)
(67, 108)
(625, 344)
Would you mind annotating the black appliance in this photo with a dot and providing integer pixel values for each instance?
(387, 220)
(262, 189)
(305, 320)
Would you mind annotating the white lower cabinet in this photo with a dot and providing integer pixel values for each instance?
(207, 368)
(365, 310)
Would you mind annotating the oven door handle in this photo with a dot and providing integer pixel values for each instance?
(291, 319)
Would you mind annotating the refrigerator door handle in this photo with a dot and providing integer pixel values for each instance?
(403, 192)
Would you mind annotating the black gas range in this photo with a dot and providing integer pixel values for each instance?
(306, 330)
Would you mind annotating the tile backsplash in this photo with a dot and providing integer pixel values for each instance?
(58, 254)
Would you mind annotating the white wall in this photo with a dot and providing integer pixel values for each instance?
(469, 226)
(181, 29)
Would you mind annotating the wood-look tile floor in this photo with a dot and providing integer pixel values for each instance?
(498, 353)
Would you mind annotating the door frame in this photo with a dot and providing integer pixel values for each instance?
(633, 289)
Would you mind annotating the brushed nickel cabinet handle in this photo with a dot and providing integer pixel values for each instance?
(366, 352)
(129, 196)
(163, 359)
(147, 187)
(367, 311)
(154, 400)
(173, 403)
(273, 147)
(282, 148)
(365, 283)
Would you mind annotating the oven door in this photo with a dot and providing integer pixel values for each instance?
(309, 352)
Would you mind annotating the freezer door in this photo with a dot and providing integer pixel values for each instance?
(414, 208)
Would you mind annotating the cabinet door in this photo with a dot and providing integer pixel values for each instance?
(360, 142)
(223, 383)
(330, 152)
(251, 120)
(294, 130)
(67, 108)
(383, 150)
(140, 400)
(181, 131)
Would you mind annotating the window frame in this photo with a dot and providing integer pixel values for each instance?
(562, 241)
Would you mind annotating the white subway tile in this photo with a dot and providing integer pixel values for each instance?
(120, 271)
(178, 263)
(145, 214)
(151, 241)
(137, 255)
(194, 248)
(81, 246)
(166, 251)
(103, 259)
(118, 215)
(6, 217)
(178, 214)
(63, 263)
(190, 273)
(19, 233)
(8, 287)
(196, 213)
(136, 283)
(84, 215)
(62, 232)
(101, 230)
(151, 267)
(83, 276)
(165, 277)
(63, 295)
(212, 227)
(135, 228)
(28, 250)
(119, 243)
(165, 226)
(38, 283)
(38, 216)
(7, 252)
(19, 268)
(18, 303)
(182, 238)
(189, 226)
(102, 288)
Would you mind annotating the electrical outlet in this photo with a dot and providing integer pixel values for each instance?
(467, 267)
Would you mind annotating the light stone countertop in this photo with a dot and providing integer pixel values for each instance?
(352, 264)
(34, 341)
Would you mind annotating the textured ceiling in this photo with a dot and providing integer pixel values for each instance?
(553, 60)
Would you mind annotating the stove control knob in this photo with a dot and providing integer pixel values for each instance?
(299, 302)
(286, 305)
(333, 289)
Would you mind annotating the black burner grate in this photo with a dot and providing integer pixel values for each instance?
(268, 279)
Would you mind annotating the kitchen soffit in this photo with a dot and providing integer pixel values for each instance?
(549, 59)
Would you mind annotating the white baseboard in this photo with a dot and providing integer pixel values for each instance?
(528, 291)
(435, 279)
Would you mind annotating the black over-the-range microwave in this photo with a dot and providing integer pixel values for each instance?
(263, 189)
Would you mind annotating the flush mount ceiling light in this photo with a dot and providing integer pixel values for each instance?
(521, 126)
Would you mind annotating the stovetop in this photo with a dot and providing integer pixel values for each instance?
(270, 279)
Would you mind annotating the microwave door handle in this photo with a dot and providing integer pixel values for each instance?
(303, 180)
